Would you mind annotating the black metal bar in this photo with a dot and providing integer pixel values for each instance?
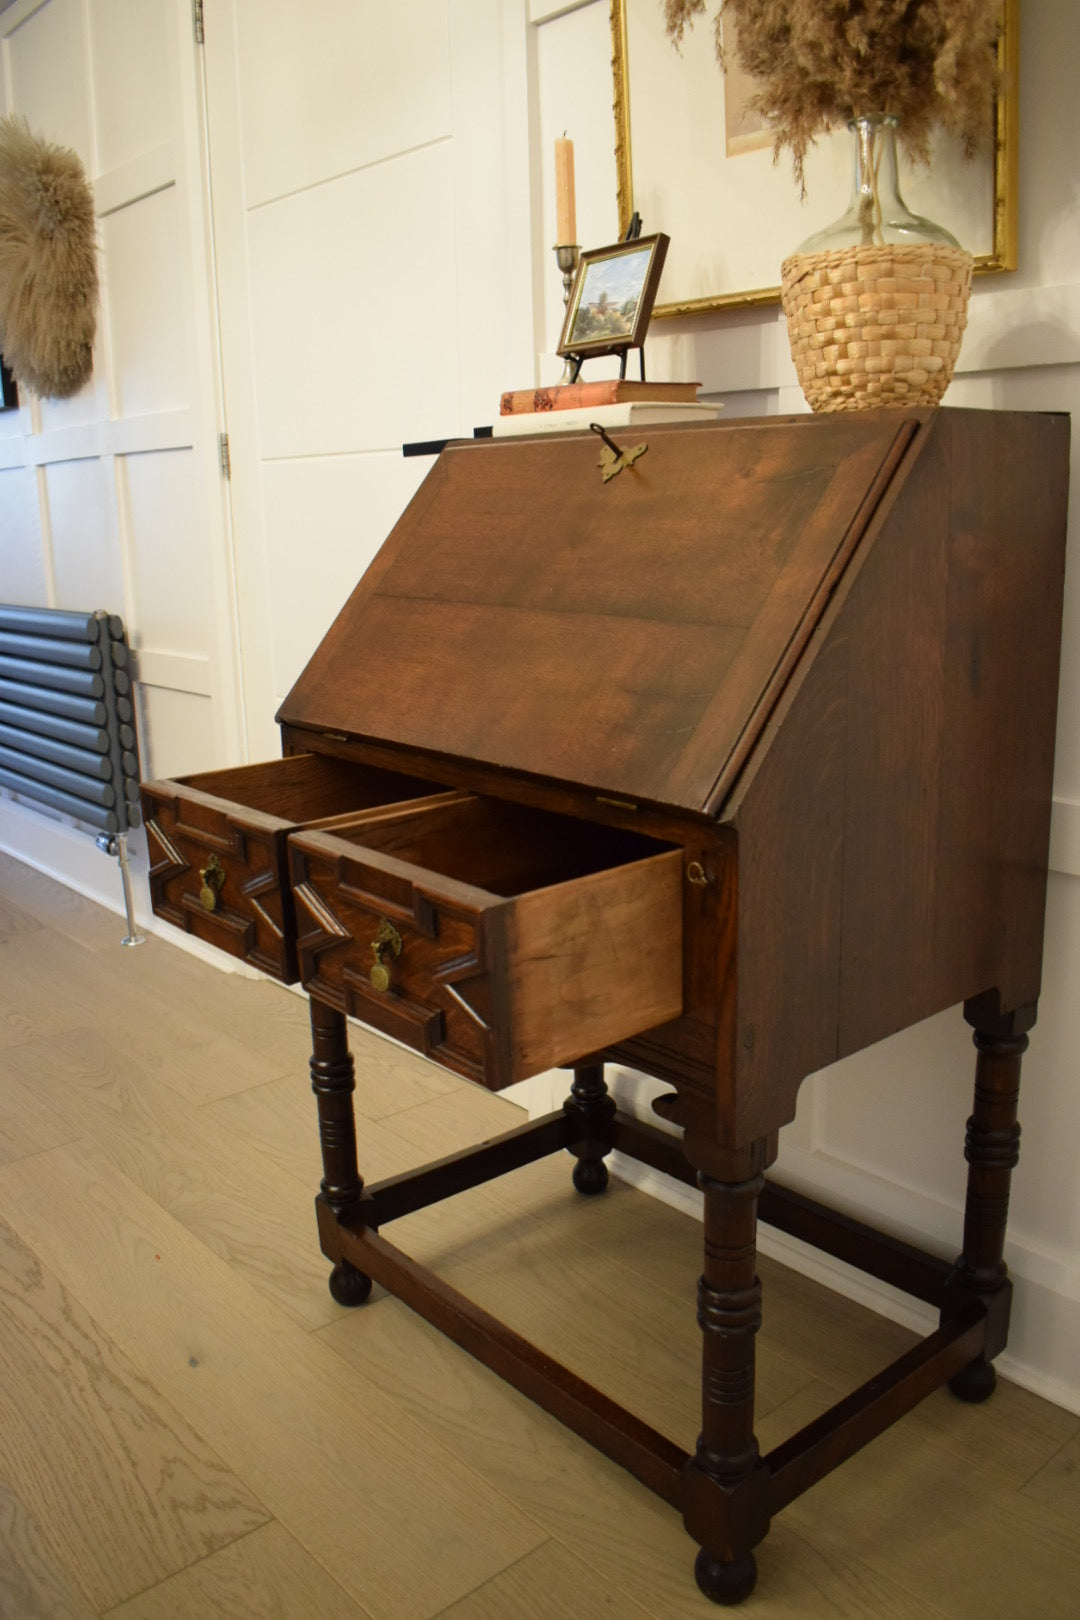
(426, 447)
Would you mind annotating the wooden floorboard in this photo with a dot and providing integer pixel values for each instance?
(120, 1489)
(192, 1428)
(263, 1576)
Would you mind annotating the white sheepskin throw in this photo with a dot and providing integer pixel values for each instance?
(48, 263)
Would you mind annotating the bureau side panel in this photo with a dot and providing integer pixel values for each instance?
(1009, 496)
(952, 720)
(893, 827)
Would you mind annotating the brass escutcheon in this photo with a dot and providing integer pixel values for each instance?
(612, 459)
(697, 875)
(387, 947)
(213, 880)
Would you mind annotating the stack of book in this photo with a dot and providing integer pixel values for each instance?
(615, 402)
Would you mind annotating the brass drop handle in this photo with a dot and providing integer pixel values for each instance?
(386, 947)
(213, 881)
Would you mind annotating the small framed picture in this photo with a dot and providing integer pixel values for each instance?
(613, 297)
(9, 388)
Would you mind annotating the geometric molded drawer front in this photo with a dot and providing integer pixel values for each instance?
(217, 845)
(497, 940)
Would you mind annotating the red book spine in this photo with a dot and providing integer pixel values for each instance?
(610, 391)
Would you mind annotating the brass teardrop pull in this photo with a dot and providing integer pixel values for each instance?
(387, 948)
(213, 881)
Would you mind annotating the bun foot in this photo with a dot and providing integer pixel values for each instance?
(590, 1176)
(725, 1583)
(349, 1286)
(975, 1383)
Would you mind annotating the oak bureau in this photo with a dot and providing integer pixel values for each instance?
(723, 767)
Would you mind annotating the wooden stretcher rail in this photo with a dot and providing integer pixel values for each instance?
(388, 1200)
(913, 1271)
(878, 1254)
(634, 1445)
(658, 1462)
(849, 1425)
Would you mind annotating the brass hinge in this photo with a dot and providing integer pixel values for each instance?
(226, 463)
(197, 18)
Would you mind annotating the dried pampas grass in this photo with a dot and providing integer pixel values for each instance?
(821, 63)
(48, 263)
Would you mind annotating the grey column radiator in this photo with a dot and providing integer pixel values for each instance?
(67, 723)
(67, 716)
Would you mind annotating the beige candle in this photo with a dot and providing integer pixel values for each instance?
(565, 218)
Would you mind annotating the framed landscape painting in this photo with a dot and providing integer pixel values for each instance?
(613, 297)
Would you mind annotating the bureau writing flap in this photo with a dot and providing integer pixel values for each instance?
(627, 636)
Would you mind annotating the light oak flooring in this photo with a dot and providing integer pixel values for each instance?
(190, 1427)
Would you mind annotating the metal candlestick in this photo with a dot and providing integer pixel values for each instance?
(568, 257)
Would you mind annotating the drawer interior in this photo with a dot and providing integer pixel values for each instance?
(505, 849)
(308, 787)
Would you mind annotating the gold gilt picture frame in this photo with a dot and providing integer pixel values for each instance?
(696, 164)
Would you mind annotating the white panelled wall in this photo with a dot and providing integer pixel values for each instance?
(112, 499)
(328, 230)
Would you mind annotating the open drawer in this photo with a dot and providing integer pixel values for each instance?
(496, 939)
(217, 845)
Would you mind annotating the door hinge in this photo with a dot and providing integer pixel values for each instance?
(226, 463)
(197, 18)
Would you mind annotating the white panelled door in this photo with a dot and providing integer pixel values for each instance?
(117, 493)
(374, 285)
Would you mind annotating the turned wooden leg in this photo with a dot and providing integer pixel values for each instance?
(333, 1082)
(725, 1507)
(992, 1148)
(592, 1103)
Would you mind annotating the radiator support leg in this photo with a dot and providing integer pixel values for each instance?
(116, 844)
